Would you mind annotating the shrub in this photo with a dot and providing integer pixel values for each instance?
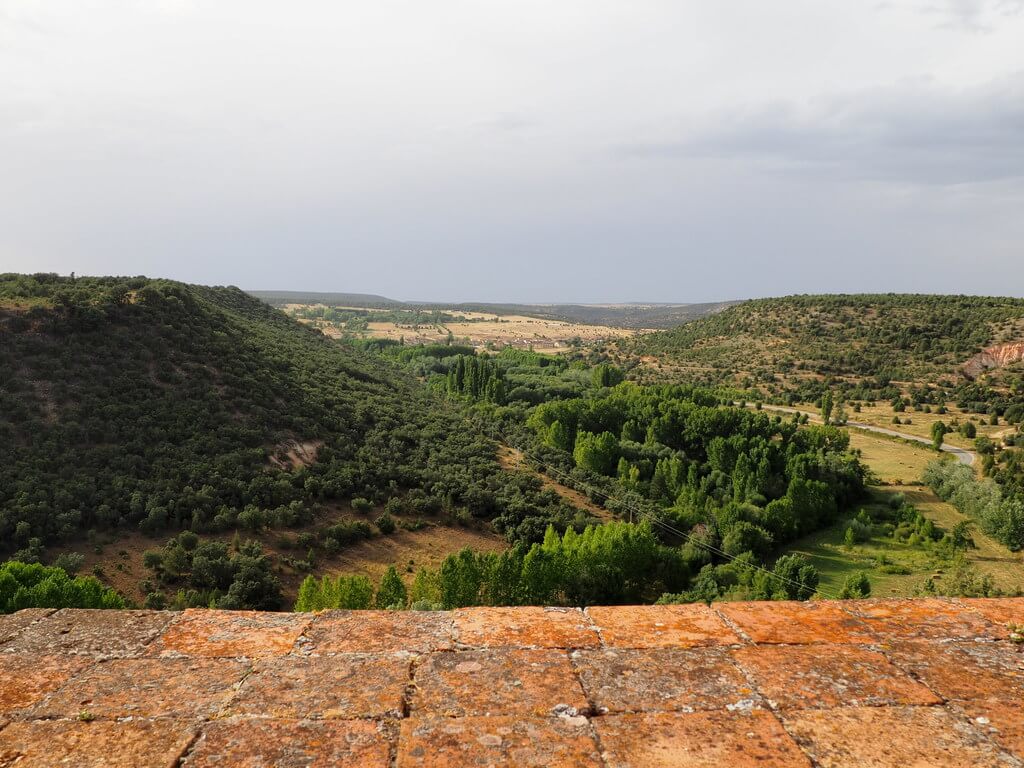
(359, 504)
(31, 585)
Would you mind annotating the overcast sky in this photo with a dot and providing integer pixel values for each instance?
(523, 150)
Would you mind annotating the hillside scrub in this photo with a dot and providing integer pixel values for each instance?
(862, 334)
(983, 500)
(130, 403)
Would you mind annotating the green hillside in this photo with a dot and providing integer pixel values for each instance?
(904, 337)
(131, 403)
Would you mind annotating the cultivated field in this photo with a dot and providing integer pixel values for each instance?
(482, 330)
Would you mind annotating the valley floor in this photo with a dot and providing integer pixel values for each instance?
(899, 466)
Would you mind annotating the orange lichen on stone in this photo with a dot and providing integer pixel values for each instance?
(526, 627)
(630, 680)
(63, 743)
(498, 681)
(147, 688)
(492, 741)
(231, 633)
(824, 676)
(877, 683)
(965, 669)
(325, 687)
(797, 623)
(661, 626)
(378, 631)
(934, 619)
(26, 678)
(753, 739)
(252, 743)
(1001, 611)
(1001, 721)
(885, 737)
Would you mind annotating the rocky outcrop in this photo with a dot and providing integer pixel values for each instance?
(998, 356)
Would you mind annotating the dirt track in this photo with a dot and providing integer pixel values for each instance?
(962, 454)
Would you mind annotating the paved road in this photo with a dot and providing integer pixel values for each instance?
(963, 455)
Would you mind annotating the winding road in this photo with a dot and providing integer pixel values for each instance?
(963, 455)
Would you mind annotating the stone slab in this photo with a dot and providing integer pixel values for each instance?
(505, 742)
(204, 632)
(92, 632)
(964, 669)
(379, 632)
(261, 743)
(753, 739)
(336, 686)
(25, 679)
(13, 623)
(796, 623)
(687, 680)
(891, 737)
(525, 627)
(192, 688)
(661, 626)
(497, 682)
(99, 744)
(824, 676)
(933, 619)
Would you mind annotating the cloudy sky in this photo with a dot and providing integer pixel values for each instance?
(520, 150)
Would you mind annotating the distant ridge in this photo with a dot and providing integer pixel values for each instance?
(620, 314)
(277, 298)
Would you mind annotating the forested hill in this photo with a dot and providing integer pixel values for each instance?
(130, 403)
(898, 335)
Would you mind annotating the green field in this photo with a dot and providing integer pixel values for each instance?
(828, 553)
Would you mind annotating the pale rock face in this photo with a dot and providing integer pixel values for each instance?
(998, 356)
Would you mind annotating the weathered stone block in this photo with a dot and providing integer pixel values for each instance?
(202, 632)
(661, 626)
(891, 737)
(187, 688)
(629, 680)
(794, 622)
(378, 632)
(260, 743)
(753, 739)
(526, 627)
(106, 744)
(497, 682)
(515, 742)
(325, 687)
(822, 676)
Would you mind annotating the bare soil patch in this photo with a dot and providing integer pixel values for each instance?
(513, 460)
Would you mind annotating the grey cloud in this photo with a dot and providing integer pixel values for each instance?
(971, 15)
(974, 14)
(914, 133)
